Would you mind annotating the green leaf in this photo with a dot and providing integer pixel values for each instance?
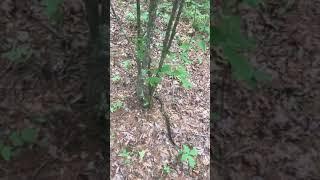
(126, 64)
(16, 139)
(141, 154)
(185, 46)
(186, 149)
(202, 45)
(180, 72)
(186, 83)
(6, 153)
(29, 135)
(166, 169)
(116, 105)
(130, 16)
(145, 16)
(153, 81)
(193, 152)
(184, 157)
(191, 162)
(116, 78)
(185, 58)
(166, 69)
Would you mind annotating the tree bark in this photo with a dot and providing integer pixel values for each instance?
(144, 90)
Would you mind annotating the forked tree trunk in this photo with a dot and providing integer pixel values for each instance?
(144, 90)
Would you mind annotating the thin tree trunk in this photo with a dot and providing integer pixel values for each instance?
(170, 33)
(143, 89)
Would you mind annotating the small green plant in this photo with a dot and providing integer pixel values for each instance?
(180, 73)
(126, 155)
(18, 139)
(185, 47)
(112, 136)
(18, 54)
(126, 64)
(202, 45)
(116, 106)
(188, 155)
(198, 12)
(166, 169)
(141, 154)
(116, 78)
(131, 17)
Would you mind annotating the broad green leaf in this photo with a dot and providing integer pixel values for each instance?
(141, 154)
(16, 139)
(130, 16)
(186, 149)
(184, 157)
(6, 153)
(186, 83)
(191, 162)
(116, 78)
(145, 16)
(126, 64)
(166, 69)
(116, 105)
(202, 45)
(185, 58)
(193, 152)
(153, 81)
(180, 72)
(185, 46)
(29, 135)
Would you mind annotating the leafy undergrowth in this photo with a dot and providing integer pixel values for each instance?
(139, 144)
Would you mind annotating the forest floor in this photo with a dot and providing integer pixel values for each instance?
(42, 78)
(272, 132)
(136, 131)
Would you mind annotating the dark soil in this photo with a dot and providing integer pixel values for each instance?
(272, 132)
(50, 85)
